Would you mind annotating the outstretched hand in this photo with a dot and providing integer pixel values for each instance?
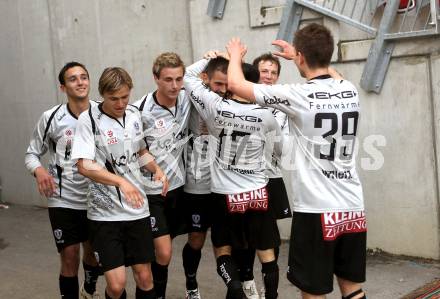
(287, 50)
(236, 48)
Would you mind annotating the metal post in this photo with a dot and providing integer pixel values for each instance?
(216, 8)
(380, 52)
(292, 14)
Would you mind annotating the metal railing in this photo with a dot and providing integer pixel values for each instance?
(385, 21)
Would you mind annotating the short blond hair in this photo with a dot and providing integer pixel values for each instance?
(113, 79)
(167, 59)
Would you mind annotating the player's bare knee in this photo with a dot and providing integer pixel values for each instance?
(224, 250)
(144, 279)
(266, 256)
(70, 260)
(196, 240)
(115, 289)
(305, 295)
(163, 255)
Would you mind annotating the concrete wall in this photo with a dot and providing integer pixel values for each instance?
(401, 197)
(39, 37)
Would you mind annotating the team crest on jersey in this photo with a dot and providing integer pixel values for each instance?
(68, 132)
(159, 123)
(136, 125)
(111, 138)
(58, 233)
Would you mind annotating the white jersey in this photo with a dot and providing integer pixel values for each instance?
(238, 136)
(198, 174)
(165, 132)
(113, 144)
(323, 119)
(273, 168)
(54, 132)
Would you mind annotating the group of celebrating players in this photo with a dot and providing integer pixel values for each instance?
(203, 151)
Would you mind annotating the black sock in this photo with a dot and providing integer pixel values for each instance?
(69, 287)
(245, 258)
(227, 270)
(91, 274)
(270, 278)
(141, 294)
(191, 260)
(123, 295)
(277, 252)
(160, 278)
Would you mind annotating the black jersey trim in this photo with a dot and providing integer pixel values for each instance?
(165, 107)
(110, 169)
(137, 108)
(49, 122)
(240, 102)
(72, 114)
(321, 77)
(114, 118)
(92, 121)
(60, 176)
(144, 100)
(70, 111)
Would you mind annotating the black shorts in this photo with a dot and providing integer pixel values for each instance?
(167, 213)
(279, 201)
(252, 229)
(198, 212)
(69, 226)
(313, 260)
(121, 243)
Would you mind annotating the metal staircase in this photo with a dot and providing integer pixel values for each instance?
(386, 21)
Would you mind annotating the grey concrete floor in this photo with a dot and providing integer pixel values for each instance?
(29, 265)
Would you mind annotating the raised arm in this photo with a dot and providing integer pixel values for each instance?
(237, 84)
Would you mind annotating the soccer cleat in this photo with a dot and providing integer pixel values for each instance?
(85, 295)
(193, 294)
(250, 289)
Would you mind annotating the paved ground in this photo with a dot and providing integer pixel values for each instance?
(29, 265)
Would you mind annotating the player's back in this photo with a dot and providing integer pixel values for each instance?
(239, 137)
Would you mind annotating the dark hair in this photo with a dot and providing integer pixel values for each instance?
(250, 72)
(267, 57)
(67, 66)
(216, 64)
(112, 79)
(315, 42)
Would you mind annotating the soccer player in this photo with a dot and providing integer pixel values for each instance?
(64, 187)
(329, 228)
(165, 114)
(198, 199)
(109, 149)
(238, 179)
(269, 67)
